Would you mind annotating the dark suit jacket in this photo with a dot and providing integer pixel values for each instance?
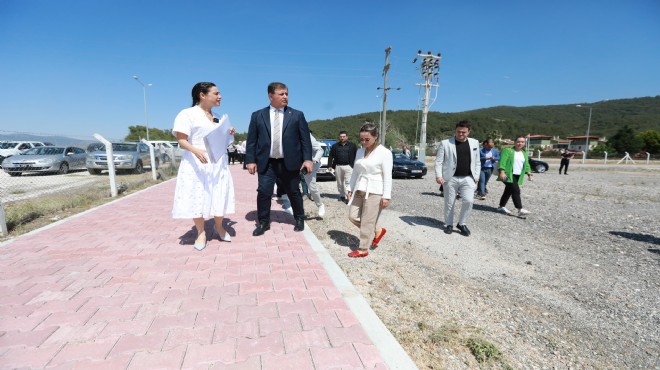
(296, 143)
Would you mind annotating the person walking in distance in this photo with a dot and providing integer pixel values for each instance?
(457, 169)
(310, 177)
(566, 157)
(513, 165)
(341, 160)
(489, 157)
(278, 148)
(204, 188)
(370, 189)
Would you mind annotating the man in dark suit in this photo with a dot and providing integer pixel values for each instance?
(278, 148)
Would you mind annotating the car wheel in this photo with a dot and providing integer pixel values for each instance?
(15, 174)
(138, 168)
(64, 168)
(94, 171)
(540, 168)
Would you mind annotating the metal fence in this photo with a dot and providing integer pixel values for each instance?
(45, 183)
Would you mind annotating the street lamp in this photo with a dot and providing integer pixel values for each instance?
(144, 89)
(586, 152)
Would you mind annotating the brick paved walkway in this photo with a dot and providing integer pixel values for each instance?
(121, 287)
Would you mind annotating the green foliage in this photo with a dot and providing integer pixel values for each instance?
(640, 114)
(483, 351)
(625, 140)
(602, 148)
(651, 140)
(135, 133)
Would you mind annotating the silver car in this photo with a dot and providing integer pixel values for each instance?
(127, 156)
(50, 159)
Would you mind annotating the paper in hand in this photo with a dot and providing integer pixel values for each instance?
(217, 141)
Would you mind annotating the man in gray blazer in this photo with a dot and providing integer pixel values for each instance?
(457, 168)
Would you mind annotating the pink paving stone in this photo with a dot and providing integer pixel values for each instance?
(246, 348)
(319, 283)
(279, 324)
(32, 338)
(242, 278)
(218, 291)
(271, 276)
(313, 293)
(114, 313)
(332, 292)
(329, 305)
(291, 284)
(336, 358)
(30, 357)
(22, 323)
(110, 363)
(98, 302)
(182, 320)
(347, 318)
(205, 354)
(352, 334)
(305, 307)
(320, 320)
(178, 295)
(224, 315)
(51, 296)
(105, 291)
(246, 313)
(303, 340)
(197, 304)
(68, 333)
(368, 354)
(76, 351)
(240, 300)
(197, 335)
(135, 343)
(251, 363)
(145, 298)
(298, 361)
(262, 286)
(285, 267)
(158, 360)
(247, 329)
(115, 329)
(268, 297)
(307, 274)
(11, 310)
(78, 318)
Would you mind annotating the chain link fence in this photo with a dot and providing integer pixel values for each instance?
(46, 179)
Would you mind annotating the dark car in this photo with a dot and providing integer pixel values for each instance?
(538, 166)
(406, 167)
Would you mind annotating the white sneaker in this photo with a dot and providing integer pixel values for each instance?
(523, 212)
(504, 210)
(321, 210)
(288, 210)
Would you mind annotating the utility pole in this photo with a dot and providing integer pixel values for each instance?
(429, 70)
(383, 120)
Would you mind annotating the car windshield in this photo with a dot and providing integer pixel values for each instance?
(400, 156)
(8, 145)
(43, 150)
(116, 147)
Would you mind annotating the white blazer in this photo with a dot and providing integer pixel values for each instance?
(445, 159)
(373, 174)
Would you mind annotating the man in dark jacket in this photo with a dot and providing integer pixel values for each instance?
(341, 160)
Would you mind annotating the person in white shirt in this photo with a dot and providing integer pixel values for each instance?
(370, 189)
(310, 177)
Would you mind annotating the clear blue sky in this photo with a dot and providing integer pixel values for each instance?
(67, 66)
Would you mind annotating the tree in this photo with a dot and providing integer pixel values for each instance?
(136, 133)
(626, 141)
(651, 139)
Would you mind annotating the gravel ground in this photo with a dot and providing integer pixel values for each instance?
(575, 285)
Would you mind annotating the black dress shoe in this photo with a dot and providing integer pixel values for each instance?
(464, 229)
(300, 225)
(261, 229)
(449, 229)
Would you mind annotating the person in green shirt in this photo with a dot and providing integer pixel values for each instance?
(514, 163)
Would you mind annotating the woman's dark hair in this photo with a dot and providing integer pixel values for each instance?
(200, 88)
(370, 128)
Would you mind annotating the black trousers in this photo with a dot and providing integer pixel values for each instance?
(563, 164)
(290, 183)
(511, 190)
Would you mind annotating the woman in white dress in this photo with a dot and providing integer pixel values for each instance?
(204, 188)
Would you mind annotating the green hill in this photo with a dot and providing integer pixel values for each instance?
(641, 114)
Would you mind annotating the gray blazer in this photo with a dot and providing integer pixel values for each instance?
(445, 159)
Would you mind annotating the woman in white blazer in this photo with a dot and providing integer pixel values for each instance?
(370, 189)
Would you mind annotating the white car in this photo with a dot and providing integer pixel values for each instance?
(166, 148)
(9, 148)
(323, 173)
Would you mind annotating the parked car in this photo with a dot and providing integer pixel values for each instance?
(165, 149)
(538, 166)
(323, 173)
(9, 148)
(127, 156)
(49, 159)
(406, 167)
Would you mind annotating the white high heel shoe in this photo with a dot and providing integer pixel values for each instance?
(226, 238)
(200, 242)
